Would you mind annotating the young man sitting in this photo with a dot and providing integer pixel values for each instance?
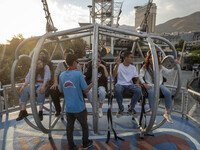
(125, 72)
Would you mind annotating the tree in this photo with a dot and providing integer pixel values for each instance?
(176, 46)
(179, 46)
(78, 45)
(8, 58)
(195, 48)
(195, 57)
(7, 54)
(180, 43)
(67, 44)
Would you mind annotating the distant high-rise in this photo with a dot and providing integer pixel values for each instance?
(140, 14)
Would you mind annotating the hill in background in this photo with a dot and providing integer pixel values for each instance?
(184, 24)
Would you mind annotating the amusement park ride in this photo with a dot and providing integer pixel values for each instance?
(98, 31)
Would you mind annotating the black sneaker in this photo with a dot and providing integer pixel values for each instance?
(57, 114)
(22, 115)
(72, 147)
(88, 145)
(41, 115)
(131, 111)
(120, 111)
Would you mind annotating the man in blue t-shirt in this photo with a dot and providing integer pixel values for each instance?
(71, 83)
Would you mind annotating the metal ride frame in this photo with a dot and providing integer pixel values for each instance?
(84, 32)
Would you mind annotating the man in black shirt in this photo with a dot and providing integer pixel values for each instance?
(102, 84)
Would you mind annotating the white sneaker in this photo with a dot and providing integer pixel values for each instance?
(168, 118)
(100, 112)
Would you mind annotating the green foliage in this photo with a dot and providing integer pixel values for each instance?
(194, 59)
(140, 43)
(22, 69)
(66, 44)
(178, 49)
(176, 46)
(7, 55)
(7, 58)
(195, 52)
(179, 45)
(78, 45)
(195, 48)
(4, 73)
(28, 47)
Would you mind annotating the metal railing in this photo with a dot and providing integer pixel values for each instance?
(4, 107)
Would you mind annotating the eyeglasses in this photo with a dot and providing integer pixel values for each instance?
(131, 57)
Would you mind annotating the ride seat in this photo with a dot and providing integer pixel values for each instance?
(145, 93)
(88, 80)
(127, 93)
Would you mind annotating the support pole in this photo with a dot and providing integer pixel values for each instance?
(95, 106)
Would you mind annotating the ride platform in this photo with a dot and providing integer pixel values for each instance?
(183, 134)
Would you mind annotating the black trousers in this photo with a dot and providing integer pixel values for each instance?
(55, 95)
(82, 118)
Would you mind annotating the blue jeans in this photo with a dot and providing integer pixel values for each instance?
(167, 96)
(119, 89)
(26, 93)
(101, 92)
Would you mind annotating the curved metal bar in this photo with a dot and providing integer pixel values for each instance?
(179, 75)
(167, 42)
(31, 54)
(48, 109)
(179, 80)
(24, 42)
(31, 124)
(35, 54)
(158, 125)
(13, 78)
(95, 107)
(13, 73)
(50, 115)
(32, 84)
(175, 57)
(156, 84)
(163, 53)
(96, 29)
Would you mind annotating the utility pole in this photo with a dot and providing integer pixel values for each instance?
(90, 9)
(106, 12)
(49, 26)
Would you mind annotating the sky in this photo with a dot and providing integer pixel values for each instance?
(27, 17)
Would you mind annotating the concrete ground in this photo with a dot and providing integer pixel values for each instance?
(193, 105)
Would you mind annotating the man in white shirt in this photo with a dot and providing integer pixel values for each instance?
(125, 72)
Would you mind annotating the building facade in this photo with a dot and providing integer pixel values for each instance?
(192, 38)
(140, 14)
